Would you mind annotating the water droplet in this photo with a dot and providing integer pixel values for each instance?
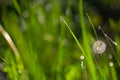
(110, 56)
(82, 57)
(19, 71)
(82, 64)
(99, 47)
(111, 64)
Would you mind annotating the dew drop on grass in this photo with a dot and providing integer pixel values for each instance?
(82, 64)
(82, 57)
(19, 71)
(111, 64)
(99, 47)
(110, 56)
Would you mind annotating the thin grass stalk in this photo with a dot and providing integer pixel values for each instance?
(86, 43)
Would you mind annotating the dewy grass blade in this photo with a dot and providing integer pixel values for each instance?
(90, 61)
(92, 25)
(61, 18)
(106, 36)
(108, 39)
(81, 48)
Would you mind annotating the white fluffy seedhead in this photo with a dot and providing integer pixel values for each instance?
(99, 47)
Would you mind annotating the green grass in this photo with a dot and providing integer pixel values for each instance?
(48, 45)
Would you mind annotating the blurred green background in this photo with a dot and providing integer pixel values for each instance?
(48, 50)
